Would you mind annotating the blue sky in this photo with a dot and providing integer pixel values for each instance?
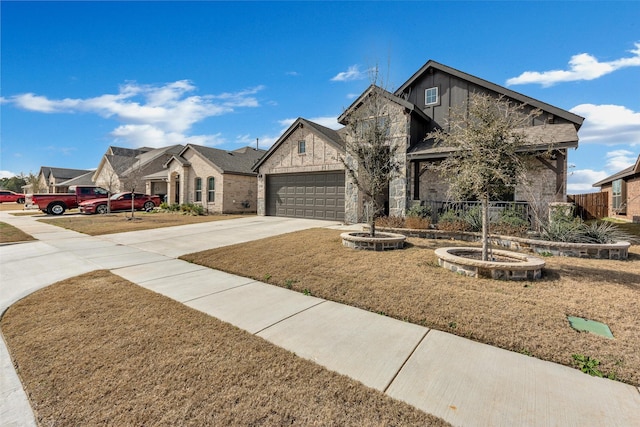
(77, 77)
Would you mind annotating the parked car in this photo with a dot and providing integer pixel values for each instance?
(120, 202)
(7, 196)
(57, 203)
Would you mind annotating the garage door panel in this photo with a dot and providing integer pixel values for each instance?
(310, 195)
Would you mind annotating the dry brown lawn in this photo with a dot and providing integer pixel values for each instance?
(528, 317)
(95, 225)
(11, 206)
(99, 350)
(11, 234)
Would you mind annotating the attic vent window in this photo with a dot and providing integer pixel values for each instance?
(431, 96)
(302, 147)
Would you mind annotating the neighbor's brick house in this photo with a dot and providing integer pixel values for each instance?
(301, 182)
(623, 193)
(221, 181)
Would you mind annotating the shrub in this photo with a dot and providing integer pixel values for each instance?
(186, 209)
(390, 221)
(473, 217)
(449, 220)
(417, 222)
(192, 209)
(419, 211)
(563, 231)
(511, 223)
(605, 232)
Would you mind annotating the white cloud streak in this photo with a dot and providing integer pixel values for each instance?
(352, 73)
(608, 124)
(152, 116)
(583, 66)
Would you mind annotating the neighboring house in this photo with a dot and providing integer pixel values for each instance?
(219, 180)
(420, 105)
(126, 169)
(623, 193)
(56, 180)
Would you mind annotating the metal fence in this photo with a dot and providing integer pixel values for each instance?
(524, 210)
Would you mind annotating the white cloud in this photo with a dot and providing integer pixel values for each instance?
(618, 160)
(7, 174)
(151, 136)
(352, 73)
(581, 67)
(608, 124)
(150, 115)
(581, 181)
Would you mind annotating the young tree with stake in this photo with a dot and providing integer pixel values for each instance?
(488, 145)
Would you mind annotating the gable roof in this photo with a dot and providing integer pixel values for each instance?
(62, 173)
(331, 136)
(84, 179)
(412, 108)
(150, 155)
(237, 162)
(539, 138)
(625, 173)
(574, 118)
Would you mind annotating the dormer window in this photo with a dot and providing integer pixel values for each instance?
(301, 147)
(431, 96)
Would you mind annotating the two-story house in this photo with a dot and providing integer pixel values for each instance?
(302, 175)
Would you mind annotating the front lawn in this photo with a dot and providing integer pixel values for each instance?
(95, 225)
(99, 350)
(11, 234)
(527, 317)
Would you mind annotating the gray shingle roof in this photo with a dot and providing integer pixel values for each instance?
(540, 138)
(63, 173)
(238, 161)
(626, 172)
(84, 179)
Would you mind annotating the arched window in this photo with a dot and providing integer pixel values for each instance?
(211, 189)
(198, 188)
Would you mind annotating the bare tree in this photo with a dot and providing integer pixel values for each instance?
(371, 150)
(132, 180)
(488, 143)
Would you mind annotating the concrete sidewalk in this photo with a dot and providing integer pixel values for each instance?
(462, 381)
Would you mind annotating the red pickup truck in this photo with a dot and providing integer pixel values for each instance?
(57, 203)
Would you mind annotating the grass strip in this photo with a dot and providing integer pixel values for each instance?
(99, 350)
(529, 317)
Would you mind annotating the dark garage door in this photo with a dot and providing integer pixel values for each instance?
(307, 195)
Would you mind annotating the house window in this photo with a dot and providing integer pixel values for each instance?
(198, 189)
(211, 189)
(302, 147)
(431, 96)
(617, 193)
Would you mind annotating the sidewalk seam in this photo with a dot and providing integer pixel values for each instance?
(289, 317)
(384, 390)
(217, 292)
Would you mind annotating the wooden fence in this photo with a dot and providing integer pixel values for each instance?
(590, 205)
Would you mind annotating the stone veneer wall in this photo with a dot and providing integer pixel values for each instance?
(618, 251)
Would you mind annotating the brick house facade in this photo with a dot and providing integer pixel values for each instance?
(219, 180)
(623, 193)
